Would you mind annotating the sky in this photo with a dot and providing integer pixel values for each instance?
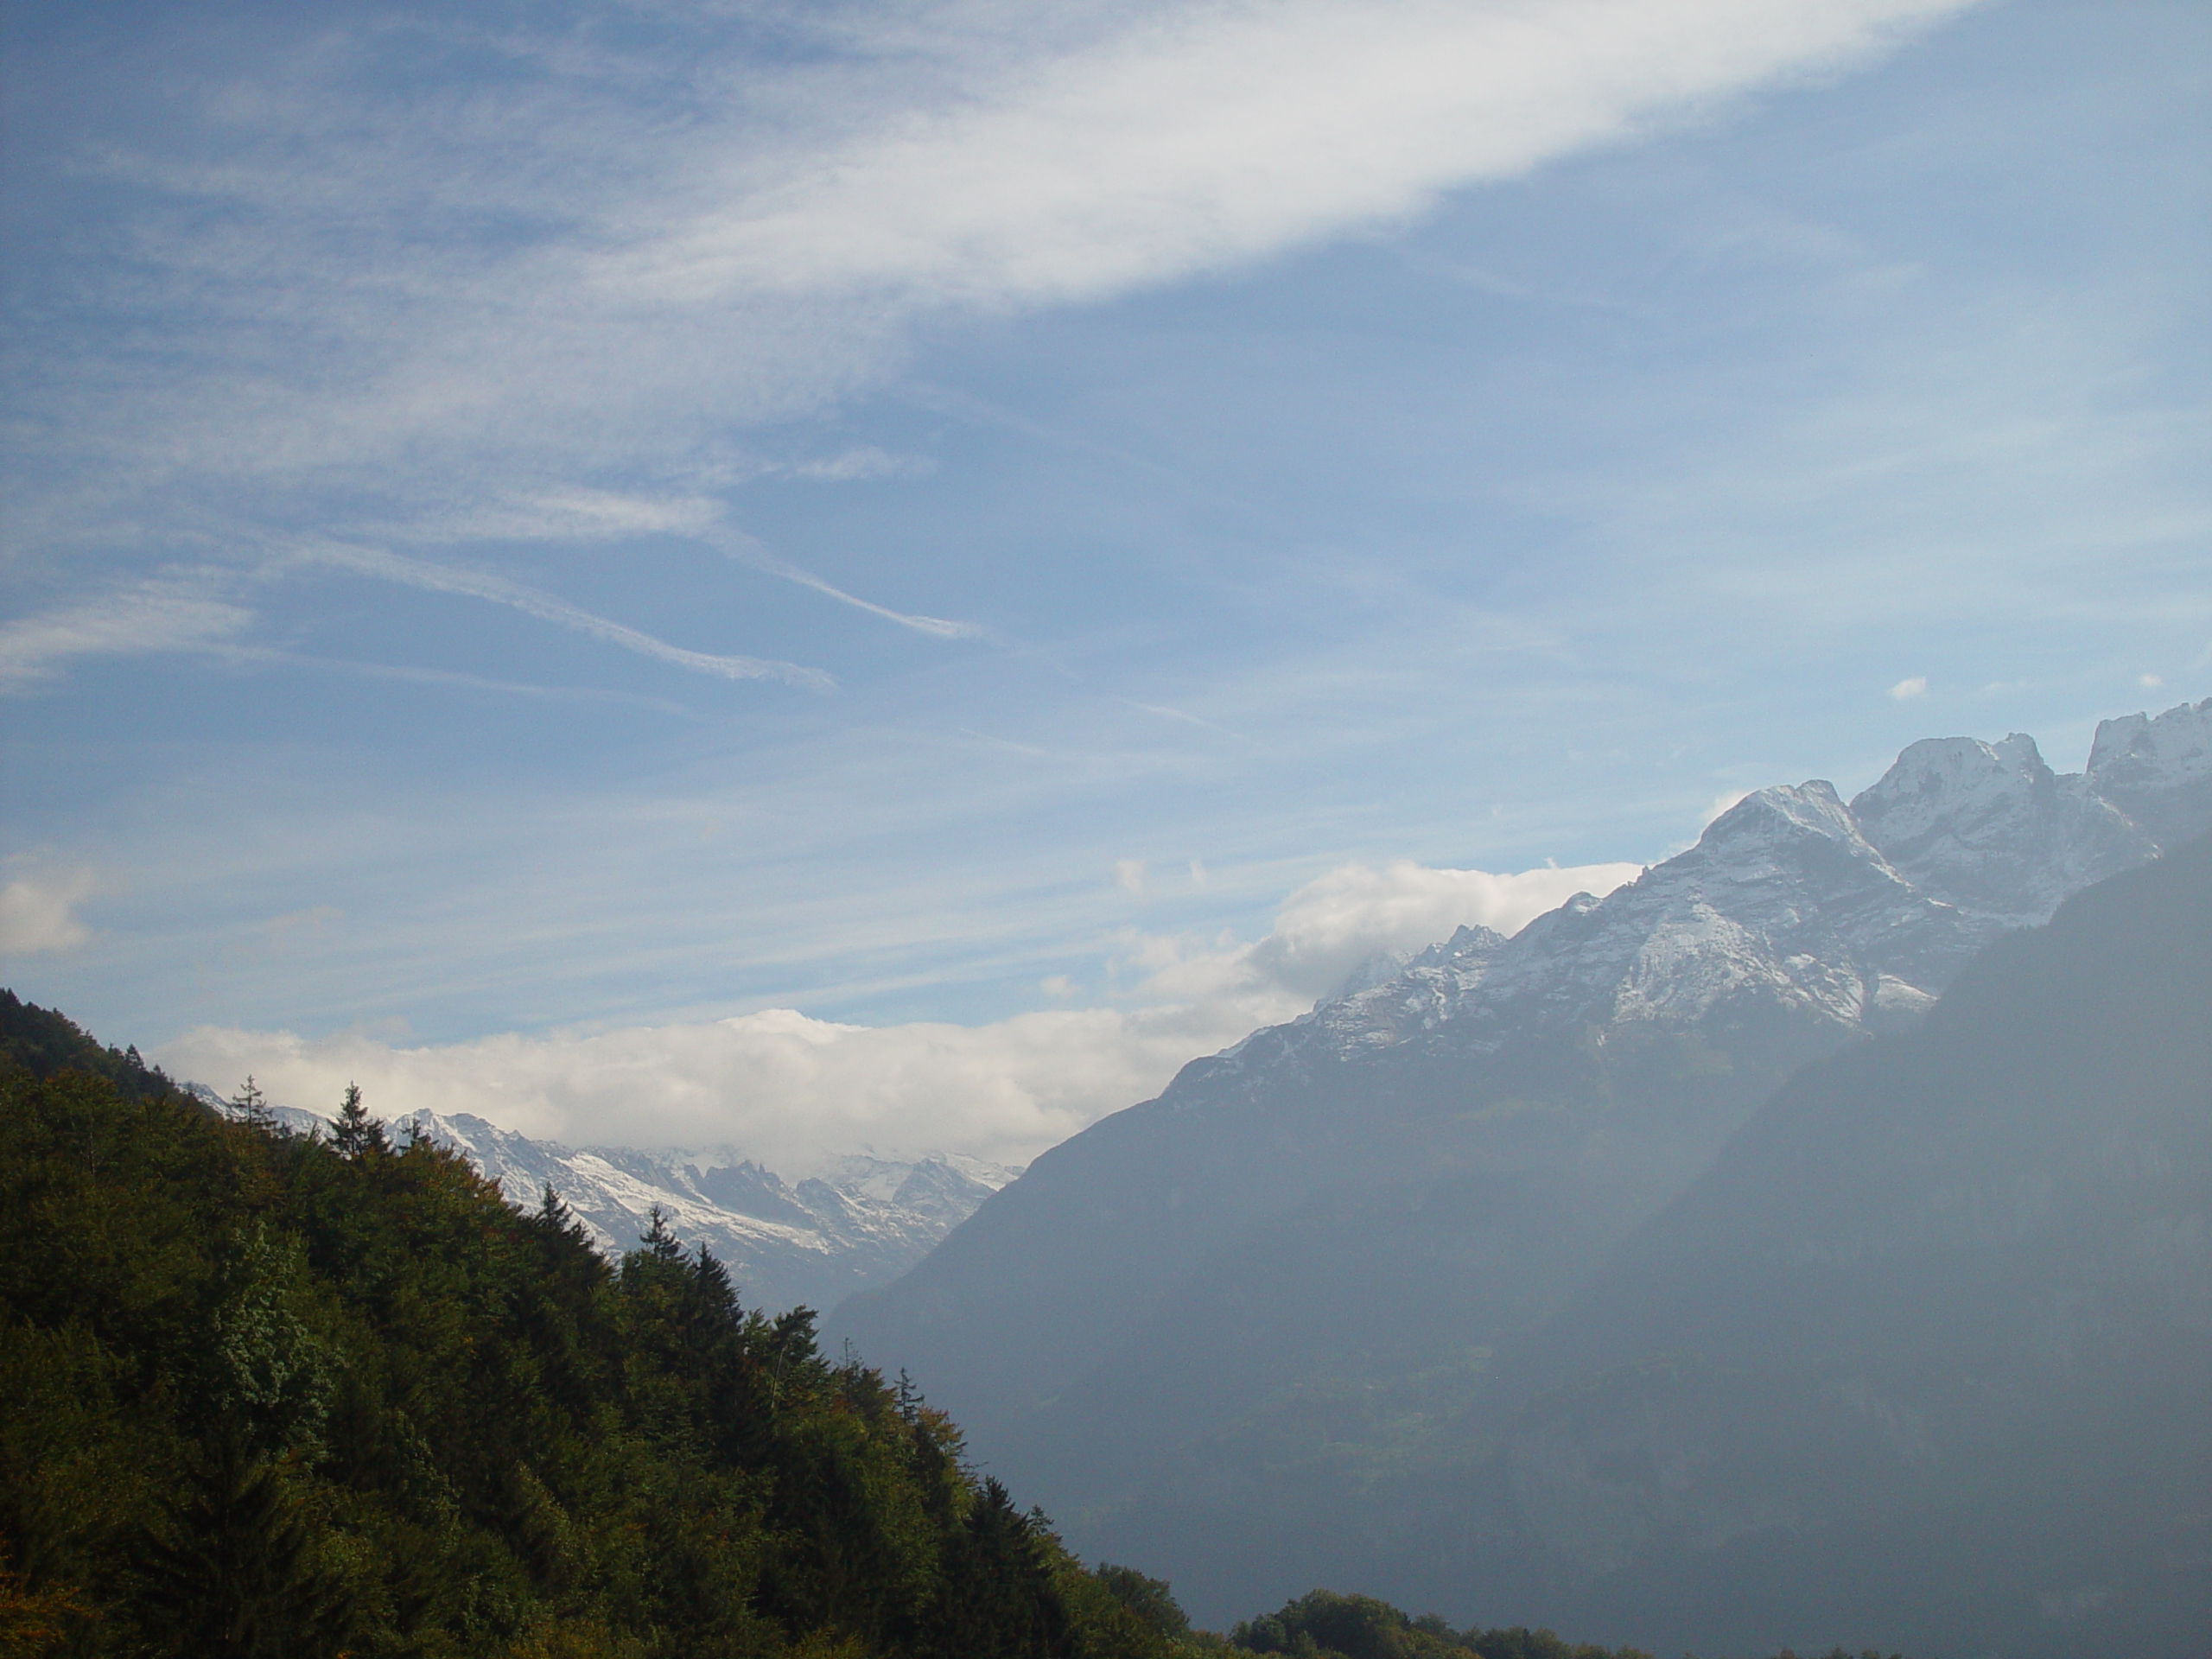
(813, 577)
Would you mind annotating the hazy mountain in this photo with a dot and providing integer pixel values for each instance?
(1924, 1358)
(861, 1223)
(1205, 1330)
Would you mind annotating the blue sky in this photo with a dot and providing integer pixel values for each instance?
(1029, 536)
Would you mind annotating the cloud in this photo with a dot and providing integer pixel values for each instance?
(790, 1090)
(749, 551)
(461, 301)
(162, 613)
(867, 462)
(1722, 802)
(1905, 690)
(1128, 874)
(572, 515)
(612, 258)
(444, 579)
(1334, 924)
(38, 913)
(795, 1091)
(1207, 137)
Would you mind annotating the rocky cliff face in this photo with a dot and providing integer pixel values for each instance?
(1165, 1314)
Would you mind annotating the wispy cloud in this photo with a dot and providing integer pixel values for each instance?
(530, 602)
(546, 274)
(1906, 690)
(1192, 140)
(410, 674)
(175, 611)
(748, 550)
(380, 276)
(588, 515)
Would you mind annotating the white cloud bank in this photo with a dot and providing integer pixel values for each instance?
(794, 1091)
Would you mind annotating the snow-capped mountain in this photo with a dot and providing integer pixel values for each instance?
(863, 1222)
(1793, 902)
(1157, 1324)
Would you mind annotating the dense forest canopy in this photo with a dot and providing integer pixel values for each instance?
(288, 1396)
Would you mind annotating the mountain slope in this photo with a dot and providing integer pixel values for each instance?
(1924, 1357)
(1317, 1237)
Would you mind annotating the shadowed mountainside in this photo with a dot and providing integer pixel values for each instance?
(1216, 1332)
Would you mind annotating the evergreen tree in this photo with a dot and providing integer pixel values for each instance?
(252, 1105)
(356, 1133)
(998, 1600)
(231, 1572)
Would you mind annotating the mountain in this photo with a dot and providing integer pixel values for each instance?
(1209, 1330)
(813, 1242)
(1925, 1357)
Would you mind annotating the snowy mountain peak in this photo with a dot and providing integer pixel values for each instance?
(1782, 812)
(1953, 781)
(2177, 746)
(1794, 901)
(2156, 772)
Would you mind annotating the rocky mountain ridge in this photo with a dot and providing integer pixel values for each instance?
(1857, 913)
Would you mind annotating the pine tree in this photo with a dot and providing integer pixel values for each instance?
(356, 1132)
(232, 1574)
(998, 1600)
(250, 1105)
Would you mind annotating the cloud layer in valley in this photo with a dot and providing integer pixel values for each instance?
(795, 1092)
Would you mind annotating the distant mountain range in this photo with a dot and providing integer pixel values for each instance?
(1269, 1329)
(862, 1223)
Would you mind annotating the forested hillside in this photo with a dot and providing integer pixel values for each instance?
(269, 1395)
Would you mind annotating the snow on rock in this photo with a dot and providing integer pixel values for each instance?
(1792, 901)
(1988, 827)
(2157, 772)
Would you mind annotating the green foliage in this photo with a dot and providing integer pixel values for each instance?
(1323, 1624)
(43, 1042)
(278, 1395)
